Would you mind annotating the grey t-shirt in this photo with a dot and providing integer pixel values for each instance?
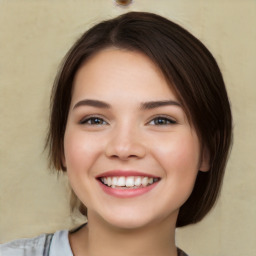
(59, 246)
(44, 245)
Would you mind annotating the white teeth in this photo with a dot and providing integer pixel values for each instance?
(109, 180)
(121, 181)
(114, 181)
(129, 182)
(137, 181)
(144, 181)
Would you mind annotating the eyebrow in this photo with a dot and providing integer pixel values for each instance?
(144, 106)
(92, 103)
(157, 104)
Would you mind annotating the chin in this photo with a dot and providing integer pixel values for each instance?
(125, 219)
(134, 220)
(129, 223)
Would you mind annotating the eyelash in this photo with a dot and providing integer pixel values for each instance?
(91, 119)
(165, 121)
(95, 120)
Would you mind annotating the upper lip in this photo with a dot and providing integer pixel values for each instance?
(125, 173)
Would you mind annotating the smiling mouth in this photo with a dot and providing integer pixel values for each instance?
(129, 182)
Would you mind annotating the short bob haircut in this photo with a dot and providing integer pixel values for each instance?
(191, 72)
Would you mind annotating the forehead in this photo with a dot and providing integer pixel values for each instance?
(121, 71)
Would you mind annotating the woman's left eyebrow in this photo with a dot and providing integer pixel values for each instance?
(157, 104)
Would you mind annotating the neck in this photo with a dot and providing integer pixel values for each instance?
(98, 238)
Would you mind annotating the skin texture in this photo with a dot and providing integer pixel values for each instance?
(157, 141)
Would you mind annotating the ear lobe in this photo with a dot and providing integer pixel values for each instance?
(205, 160)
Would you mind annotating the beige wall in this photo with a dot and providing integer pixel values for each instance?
(35, 35)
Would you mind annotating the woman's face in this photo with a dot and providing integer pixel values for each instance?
(125, 130)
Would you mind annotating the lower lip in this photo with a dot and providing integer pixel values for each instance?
(126, 193)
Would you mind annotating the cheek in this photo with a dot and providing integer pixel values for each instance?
(179, 150)
(179, 156)
(79, 150)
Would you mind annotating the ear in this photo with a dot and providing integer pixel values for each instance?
(205, 160)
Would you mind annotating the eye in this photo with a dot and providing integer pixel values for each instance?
(161, 120)
(93, 120)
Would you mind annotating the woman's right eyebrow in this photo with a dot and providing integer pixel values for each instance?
(92, 103)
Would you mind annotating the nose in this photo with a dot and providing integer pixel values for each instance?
(125, 144)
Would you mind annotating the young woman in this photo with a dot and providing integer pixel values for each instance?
(141, 123)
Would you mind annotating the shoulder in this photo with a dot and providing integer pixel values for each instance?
(60, 244)
(22, 247)
(56, 244)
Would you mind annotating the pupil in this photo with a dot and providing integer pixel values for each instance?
(161, 121)
(96, 121)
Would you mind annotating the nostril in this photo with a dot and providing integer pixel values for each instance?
(124, 146)
(124, 157)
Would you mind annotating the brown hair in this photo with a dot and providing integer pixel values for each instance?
(191, 71)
